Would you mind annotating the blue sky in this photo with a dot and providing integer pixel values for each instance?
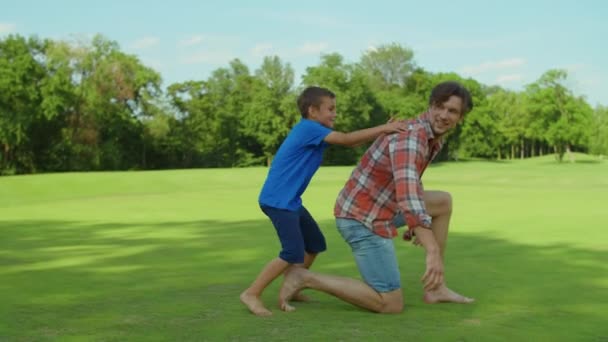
(508, 43)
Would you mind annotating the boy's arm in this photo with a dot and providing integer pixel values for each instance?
(356, 138)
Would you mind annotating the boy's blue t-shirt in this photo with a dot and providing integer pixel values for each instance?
(295, 163)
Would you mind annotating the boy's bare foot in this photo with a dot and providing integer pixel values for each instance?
(292, 284)
(445, 295)
(254, 304)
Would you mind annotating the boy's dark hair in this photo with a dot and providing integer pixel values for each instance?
(442, 92)
(312, 96)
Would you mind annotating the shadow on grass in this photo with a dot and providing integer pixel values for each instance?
(181, 281)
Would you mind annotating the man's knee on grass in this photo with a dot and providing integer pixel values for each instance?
(391, 302)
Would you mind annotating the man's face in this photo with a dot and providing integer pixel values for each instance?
(446, 115)
(325, 114)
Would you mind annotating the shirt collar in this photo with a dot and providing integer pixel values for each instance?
(425, 120)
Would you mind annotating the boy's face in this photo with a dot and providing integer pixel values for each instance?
(445, 116)
(325, 114)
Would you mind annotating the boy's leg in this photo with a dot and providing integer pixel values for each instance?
(251, 296)
(314, 243)
(439, 206)
(286, 224)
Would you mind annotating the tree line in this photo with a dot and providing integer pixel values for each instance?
(86, 106)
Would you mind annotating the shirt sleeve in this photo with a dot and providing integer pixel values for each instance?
(315, 133)
(407, 157)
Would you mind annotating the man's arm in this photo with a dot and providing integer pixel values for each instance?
(356, 138)
(406, 154)
(433, 276)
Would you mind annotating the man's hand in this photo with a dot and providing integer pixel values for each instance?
(433, 277)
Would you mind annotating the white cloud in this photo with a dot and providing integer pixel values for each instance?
(261, 50)
(152, 63)
(492, 66)
(191, 41)
(7, 28)
(207, 57)
(502, 79)
(312, 48)
(145, 43)
(459, 44)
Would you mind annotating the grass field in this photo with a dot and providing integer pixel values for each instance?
(163, 256)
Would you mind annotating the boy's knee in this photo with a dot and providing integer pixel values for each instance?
(292, 256)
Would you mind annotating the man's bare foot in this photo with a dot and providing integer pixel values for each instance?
(292, 284)
(445, 295)
(254, 304)
(299, 297)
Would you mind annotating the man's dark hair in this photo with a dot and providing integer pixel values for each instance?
(312, 96)
(442, 92)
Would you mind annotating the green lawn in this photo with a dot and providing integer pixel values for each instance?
(163, 256)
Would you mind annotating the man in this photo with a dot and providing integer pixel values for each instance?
(383, 192)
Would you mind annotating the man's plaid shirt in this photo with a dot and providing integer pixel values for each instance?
(387, 180)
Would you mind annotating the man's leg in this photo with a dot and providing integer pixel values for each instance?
(377, 263)
(439, 206)
(349, 290)
(308, 261)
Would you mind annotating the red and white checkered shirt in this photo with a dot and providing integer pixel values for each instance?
(387, 180)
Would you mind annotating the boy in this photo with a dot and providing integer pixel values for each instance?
(296, 161)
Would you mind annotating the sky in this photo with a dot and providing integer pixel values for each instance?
(506, 43)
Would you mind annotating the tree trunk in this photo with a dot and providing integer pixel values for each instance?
(569, 153)
(522, 149)
(512, 151)
(143, 156)
(559, 153)
(5, 155)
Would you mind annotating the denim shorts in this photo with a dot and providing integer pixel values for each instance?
(375, 255)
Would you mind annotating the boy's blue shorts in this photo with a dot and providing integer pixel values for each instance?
(298, 233)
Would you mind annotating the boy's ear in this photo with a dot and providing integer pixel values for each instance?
(309, 111)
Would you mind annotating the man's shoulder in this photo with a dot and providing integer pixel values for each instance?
(415, 128)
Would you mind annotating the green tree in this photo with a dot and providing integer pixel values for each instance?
(565, 117)
(97, 94)
(21, 72)
(507, 109)
(598, 143)
(389, 68)
(272, 111)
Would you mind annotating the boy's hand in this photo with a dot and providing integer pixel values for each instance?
(394, 125)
